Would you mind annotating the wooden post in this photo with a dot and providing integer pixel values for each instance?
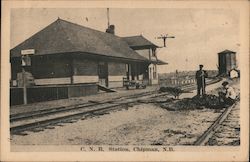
(25, 53)
(24, 87)
(72, 70)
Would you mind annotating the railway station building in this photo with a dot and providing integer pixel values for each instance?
(66, 54)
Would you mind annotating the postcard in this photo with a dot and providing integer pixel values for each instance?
(125, 81)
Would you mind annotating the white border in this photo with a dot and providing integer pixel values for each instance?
(191, 153)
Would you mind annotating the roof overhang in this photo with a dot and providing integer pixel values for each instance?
(226, 51)
(143, 47)
(159, 62)
(89, 55)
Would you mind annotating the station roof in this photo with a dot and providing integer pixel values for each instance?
(138, 41)
(226, 51)
(159, 62)
(65, 37)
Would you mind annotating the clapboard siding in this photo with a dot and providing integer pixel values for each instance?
(116, 69)
(83, 66)
(51, 67)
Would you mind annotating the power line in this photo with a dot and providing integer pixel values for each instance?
(108, 16)
(164, 37)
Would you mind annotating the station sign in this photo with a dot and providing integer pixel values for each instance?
(28, 52)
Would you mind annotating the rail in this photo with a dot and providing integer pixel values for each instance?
(203, 139)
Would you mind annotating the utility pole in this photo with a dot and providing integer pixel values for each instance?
(186, 63)
(164, 37)
(108, 16)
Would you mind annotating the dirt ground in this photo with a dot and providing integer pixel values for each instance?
(139, 125)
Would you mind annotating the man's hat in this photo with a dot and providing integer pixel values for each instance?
(201, 65)
(225, 83)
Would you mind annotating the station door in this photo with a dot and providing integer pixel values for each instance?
(103, 73)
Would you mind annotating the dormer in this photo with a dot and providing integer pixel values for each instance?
(142, 46)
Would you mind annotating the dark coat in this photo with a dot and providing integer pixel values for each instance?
(200, 76)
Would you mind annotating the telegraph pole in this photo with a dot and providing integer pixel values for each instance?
(186, 63)
(108, 16)
(164, 37)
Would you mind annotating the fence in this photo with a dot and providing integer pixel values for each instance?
(170, 82)
(47, 93)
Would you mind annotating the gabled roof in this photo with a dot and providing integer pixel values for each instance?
(138, 41)
(63, 37)
(226, 51)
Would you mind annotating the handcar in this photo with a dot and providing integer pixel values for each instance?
(134, 84)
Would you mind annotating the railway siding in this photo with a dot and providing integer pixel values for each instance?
(33, 120)
(228, 132)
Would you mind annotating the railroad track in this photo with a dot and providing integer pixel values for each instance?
(38, 120)
(28, 121)
(39, 113)
(204, 138)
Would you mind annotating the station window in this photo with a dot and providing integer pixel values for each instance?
(154, 72)
(154, 52)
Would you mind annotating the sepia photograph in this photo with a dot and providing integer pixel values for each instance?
(116, 79)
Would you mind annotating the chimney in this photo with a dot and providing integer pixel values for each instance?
(111, 29)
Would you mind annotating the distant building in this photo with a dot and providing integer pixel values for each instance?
(234, 73)
(227, 61)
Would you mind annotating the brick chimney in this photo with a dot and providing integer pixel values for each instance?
(111, 29)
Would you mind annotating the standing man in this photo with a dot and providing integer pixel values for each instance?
(200, 80)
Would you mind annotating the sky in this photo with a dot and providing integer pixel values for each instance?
(199, 33)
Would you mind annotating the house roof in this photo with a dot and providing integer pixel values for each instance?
(159, 62)
(64, 37)
(138, 41)
(226, 51)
